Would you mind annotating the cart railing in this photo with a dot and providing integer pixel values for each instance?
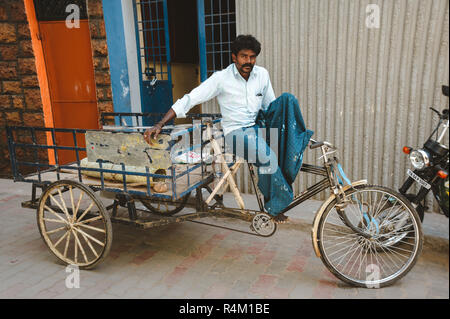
(140, 121)
(34, 153)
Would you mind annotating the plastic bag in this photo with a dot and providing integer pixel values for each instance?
(191, 157)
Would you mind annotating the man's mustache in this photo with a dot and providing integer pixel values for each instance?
(247, 65)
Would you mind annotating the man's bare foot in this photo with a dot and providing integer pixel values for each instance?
(280, 219)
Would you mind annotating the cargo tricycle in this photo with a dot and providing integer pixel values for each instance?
(366, 235)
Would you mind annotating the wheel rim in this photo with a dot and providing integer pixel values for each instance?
(165, 206)
(384, 255)
(73, 224)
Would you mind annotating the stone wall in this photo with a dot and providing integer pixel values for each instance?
(20, 98)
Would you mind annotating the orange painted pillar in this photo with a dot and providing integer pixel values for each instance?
(41, 72)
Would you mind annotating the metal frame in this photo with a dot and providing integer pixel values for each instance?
(42, 168)
(126, 197)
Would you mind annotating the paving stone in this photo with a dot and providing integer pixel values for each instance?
(190, 260)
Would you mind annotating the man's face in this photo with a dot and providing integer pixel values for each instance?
(245, 61)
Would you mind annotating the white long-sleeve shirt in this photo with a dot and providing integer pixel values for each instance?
(239, 100)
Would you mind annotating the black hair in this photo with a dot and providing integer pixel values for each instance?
(245, 42)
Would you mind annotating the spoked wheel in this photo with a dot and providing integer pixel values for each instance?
(166, 207)
(74, 224)
(374, 240)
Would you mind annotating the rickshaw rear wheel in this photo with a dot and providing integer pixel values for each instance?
(165, 207)
(370, 261)
(74, 224)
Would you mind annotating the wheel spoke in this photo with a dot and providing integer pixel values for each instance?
(55, 220)
(61, 239)
(89, 236)
(86, 211)
(93, 228)
(339, 243)
(59, 205)
(389, 256)
(67, 243)
(64, 205)
(349, 259)
(54, 213)
(73, 206)
(341, 232)
(348, 251)
(358, 247)
(78, 206)
(76, 247)
(90, 246)
(55, 230)
(89, 220)
(81, 246)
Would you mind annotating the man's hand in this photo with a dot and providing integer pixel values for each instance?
(152, 133)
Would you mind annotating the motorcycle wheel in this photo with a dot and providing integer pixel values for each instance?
(419, 209)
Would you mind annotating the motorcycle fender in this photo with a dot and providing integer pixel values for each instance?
(322, 210)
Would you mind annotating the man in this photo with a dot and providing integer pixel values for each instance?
(247, 102)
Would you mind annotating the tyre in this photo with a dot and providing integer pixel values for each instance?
(74, 224)
(374, 240)
(419, 209)
(166, 207)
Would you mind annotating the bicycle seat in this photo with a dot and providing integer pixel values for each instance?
(316, 144)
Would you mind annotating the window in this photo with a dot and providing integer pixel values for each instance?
(220, 31)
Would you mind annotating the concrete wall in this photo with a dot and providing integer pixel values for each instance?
(365, 90)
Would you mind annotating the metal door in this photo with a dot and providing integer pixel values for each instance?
(154, 56)
(70, 72)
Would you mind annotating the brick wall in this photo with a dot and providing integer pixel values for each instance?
(100, 56)
(20, 98)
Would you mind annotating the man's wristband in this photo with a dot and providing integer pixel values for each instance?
(159, 125)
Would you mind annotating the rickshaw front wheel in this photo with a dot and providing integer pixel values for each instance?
(386, 246)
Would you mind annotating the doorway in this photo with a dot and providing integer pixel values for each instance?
(183, 33)
(68, 63)
(180, 44)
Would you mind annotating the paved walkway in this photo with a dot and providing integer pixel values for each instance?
(191, 260)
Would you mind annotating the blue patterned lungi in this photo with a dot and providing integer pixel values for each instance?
(276, 174)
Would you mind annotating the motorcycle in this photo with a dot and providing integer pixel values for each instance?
(431, 164)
